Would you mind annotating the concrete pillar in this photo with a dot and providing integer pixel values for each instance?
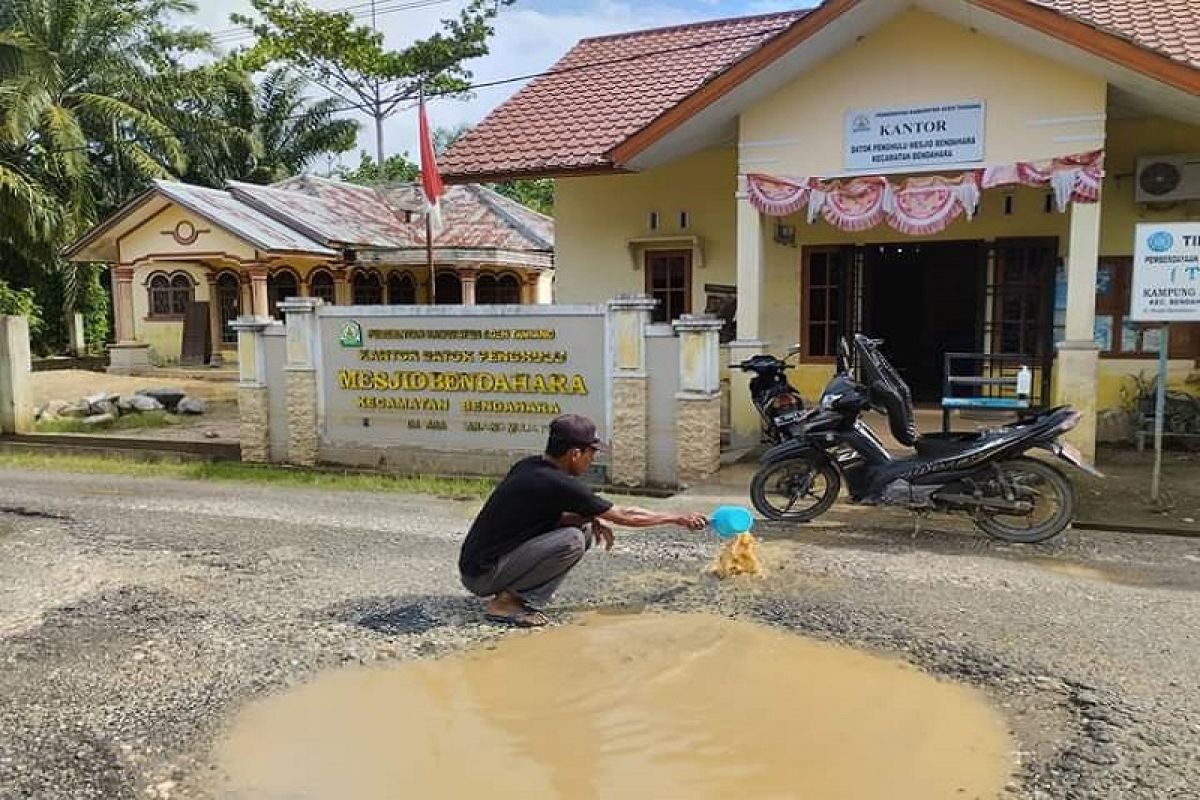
(214, 320)
(744, 421)
(127, 356)
(698, 403)
(342, 295)
(253, 407)
(631, 414)
(123, 303)
(1078, 359)
(259, 305)
(16, 386)
(301, 372)
(466, 277)
(529, 287)
(76, 332)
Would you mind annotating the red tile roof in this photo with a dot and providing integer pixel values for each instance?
(570, 119)
(1169, 27)
(475, 218)
(605, 90)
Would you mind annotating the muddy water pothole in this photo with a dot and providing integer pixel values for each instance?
(654, 705)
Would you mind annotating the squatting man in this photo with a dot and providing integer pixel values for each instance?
(539, 521)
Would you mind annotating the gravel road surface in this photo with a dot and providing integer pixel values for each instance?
(137, 616)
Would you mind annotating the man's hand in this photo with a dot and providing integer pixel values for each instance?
(693, 522)
(602, 533)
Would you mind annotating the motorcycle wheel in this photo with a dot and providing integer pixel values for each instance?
(1047, 488)
(796, 490)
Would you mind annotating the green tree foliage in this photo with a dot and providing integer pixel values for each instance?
(396, 169)
(536, 193)
(264, 133)
(21, 303)
(84, 88)
(350, 61)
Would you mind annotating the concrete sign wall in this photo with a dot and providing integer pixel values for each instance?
(455, 378)
(1166, 273)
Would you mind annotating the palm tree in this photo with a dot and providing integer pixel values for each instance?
(285, 132)
(85, 86)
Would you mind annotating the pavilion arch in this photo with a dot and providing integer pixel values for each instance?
(401, 288)
(322, 285)
(448, 288)
(282, 283)
(366, 287)
(498, 288)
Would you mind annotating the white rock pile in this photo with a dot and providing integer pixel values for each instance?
(103, 408)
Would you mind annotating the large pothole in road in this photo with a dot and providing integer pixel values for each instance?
(657, 705)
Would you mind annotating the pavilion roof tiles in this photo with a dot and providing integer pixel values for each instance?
(257, 228)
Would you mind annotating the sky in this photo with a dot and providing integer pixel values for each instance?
(530, 36)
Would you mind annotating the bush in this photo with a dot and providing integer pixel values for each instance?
(23, 303)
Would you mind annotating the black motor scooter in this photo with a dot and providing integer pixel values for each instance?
(985, 474)
(778, 403)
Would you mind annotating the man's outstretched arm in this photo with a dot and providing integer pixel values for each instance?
(635, 517)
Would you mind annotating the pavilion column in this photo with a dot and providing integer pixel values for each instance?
(127, 356)
(214, 319)
(529, 287)
(123, 303)
(259, 306)
(1079, 355)
(467, 277)
(746, 428)
(341, 286)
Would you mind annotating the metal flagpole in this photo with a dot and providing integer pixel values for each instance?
(1160, 410)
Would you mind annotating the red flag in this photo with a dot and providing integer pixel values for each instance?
(431, 179)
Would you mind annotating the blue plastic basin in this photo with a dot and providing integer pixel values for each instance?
(729, 521)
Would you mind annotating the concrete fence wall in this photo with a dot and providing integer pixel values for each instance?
(468, 390)
(16, 388)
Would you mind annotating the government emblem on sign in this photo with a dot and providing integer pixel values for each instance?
(861, 123)
(1161, 241)
(351, 335)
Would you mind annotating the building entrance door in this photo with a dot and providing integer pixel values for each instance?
(925, 300)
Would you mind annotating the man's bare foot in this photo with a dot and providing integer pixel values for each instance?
(510, 609)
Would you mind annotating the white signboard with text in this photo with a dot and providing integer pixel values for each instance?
(897, 139)
(460, 377)
(1166, 273)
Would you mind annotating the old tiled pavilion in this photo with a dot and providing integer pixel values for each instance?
(242, 249)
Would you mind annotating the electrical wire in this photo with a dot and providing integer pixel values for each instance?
(382, 8)
(763, 33)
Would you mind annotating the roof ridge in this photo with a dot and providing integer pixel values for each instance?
(489, 198)
(796, 13)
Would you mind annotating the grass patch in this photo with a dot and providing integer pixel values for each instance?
(234, 471)
(147, 419)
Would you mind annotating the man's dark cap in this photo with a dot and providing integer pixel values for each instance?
(575, 430)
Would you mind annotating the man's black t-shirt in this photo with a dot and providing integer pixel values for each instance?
(527, 503)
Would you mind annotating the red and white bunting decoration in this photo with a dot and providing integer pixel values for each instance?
(922, 205)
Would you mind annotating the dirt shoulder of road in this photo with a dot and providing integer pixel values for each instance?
(1122, 497)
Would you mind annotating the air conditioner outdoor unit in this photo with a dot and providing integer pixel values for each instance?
(1167, 179)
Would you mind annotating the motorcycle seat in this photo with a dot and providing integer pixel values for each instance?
(932, 446)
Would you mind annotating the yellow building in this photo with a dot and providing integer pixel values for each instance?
(188, 260)
(948, 175)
